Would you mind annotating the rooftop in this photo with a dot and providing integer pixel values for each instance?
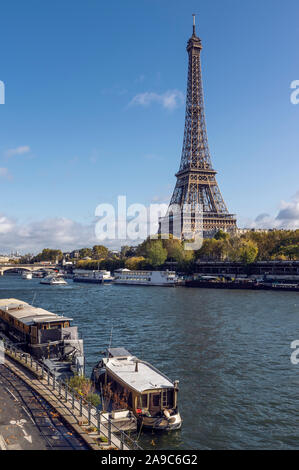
(28, 314)
(145, 378)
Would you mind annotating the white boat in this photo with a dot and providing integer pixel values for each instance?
(27, 276)
(53, 280)
(93, 277)
(146, 278)
(106, 276)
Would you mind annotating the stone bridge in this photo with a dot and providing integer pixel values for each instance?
(25, 267)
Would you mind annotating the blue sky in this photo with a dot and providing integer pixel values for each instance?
(95, 109)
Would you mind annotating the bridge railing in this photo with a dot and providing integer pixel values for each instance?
(94, 418)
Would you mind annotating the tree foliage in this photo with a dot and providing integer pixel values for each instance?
(135, 262)
(156, 255)
(85, 388)
(100, 252)
(49, 255)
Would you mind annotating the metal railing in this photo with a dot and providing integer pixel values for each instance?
(96, 419)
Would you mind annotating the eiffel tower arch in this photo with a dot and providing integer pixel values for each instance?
(196, 187)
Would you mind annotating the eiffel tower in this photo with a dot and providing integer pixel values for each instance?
(196, 184)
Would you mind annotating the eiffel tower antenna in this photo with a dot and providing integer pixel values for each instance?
(194, 33)
(196, 184)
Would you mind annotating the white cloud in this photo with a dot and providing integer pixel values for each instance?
(17, 151)
(61, 233)
(170, 100)
(56, 233)
(4, 173)
(287, 217)
(6, 225)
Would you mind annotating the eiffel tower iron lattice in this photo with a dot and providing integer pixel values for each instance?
(196, 186)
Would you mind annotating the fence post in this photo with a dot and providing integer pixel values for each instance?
(73, 399)
(59, 388)
(89, 413)
(30, 361)
(122, 441)
(43, 371)
(80, 406)
(109, 431)
(48, 378)
(65, 388)
(99, 421)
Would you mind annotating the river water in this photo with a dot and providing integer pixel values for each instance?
(229, 349)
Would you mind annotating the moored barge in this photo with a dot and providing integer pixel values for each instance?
(48, 337)
(242, 284)
(127, 382)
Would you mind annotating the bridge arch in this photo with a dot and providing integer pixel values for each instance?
(28, 268)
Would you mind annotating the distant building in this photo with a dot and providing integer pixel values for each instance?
(243, 231)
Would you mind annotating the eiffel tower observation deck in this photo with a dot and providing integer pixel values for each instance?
(196, 204)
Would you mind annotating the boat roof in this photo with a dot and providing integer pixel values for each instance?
(145, 378)
(118, 352)
(26, 313)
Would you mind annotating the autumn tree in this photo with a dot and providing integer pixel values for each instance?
(135, 262)
(100, 252)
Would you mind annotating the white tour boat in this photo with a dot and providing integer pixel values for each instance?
(93, 277)
(146, 278)
(27, 276)
(53, 280)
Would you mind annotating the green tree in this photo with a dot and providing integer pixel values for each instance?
(84, 387)
(49, 255)
(221, 235)
(291, 252)
(214, 249)
(175, 250)
(85, 253)
(127, 251)
(155, 253)
(248, 252)
(100, 252)
(135, 262)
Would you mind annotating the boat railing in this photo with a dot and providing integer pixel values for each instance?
(102, 426)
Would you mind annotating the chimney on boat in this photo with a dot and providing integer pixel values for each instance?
(136, 366)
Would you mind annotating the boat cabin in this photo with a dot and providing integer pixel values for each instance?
(31, 324)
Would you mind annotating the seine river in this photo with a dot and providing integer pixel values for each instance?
(229, 349)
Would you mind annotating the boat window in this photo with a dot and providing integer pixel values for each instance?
(130, 400)
(144, 401)
(167, 398)
(156, 399)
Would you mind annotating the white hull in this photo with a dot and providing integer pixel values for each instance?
(146, 278)
(145, 283)
(53, 281)
(27, 276)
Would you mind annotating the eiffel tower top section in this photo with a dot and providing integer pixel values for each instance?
(195, 153)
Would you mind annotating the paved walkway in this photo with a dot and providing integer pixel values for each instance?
(27, 422)
(17, 431)
(68, 410)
